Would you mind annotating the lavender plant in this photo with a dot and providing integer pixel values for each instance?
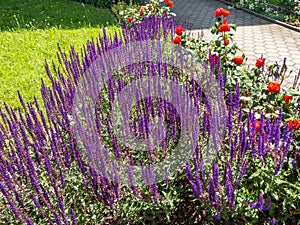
(49, 175)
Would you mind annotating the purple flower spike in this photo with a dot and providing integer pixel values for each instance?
(217, 216)
(260, 203)
(273, 221)
(73, 217)
(29, 222)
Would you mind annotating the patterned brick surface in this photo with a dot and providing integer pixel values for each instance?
(254, 35)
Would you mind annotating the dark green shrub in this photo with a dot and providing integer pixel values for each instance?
(108, 3)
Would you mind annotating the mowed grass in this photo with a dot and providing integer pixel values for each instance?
(24, 48)
(275, 2)
(41, 14)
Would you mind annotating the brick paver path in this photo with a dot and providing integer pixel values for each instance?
(254, 35)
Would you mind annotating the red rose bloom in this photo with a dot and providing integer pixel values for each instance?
(179, 30)
(260, 62)
(287, 98)
(130, 19)
(214, 58)
(291, 124)
(274, 87)
(177, 40)
(257, 125)
(222, 12)
(225, 13)
(218, 12)
(294, 124)
(149, 7)
(224, 28)
(238, 60)
(170, 4)
(142, 10)
(226, 42)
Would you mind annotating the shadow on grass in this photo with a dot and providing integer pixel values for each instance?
(42, 14)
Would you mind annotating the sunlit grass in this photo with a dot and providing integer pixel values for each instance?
(40, 14)
(23, 54)
(275, 2)
(31, 31)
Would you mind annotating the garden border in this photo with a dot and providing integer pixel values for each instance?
(262, 16)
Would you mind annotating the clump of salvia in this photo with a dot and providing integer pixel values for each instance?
(40, 152)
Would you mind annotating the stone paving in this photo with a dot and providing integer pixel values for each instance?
(254, 35)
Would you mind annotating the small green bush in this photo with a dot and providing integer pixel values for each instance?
(109, 3)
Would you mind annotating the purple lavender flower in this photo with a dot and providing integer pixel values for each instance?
(259, 205)
(73, 217)
(230, 194)
(215, 170)
(217, 216)
(38, 205)
(242, 173)
(191, 180)
(29, 222)
(273, 221)
(12, 206)
(212, 192)
(237, 96)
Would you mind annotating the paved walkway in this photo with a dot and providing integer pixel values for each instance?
(254, 35)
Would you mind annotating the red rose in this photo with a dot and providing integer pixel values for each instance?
(225, 13)
(260, 62)
(130, 19)
(179, 30)
(294, 124)
(224, 28)
(218, 12)
(213, 58)
(177, 40)
(274, 87)
(225, 21)
(142, 10)
(290, 124)
(166, 0)
(149, 7)
(222, 12)
(287, 98)
(238, 60)
(226, 42)
(257, 125)
(170, 4)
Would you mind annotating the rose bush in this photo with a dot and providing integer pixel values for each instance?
(259, 91)
(137, 13)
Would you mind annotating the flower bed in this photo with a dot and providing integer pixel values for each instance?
(285, 11)
(150, 120)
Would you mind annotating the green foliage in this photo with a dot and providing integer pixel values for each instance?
(30, 33)
(275, 2)
(289, 5)
(40, 14)
(284, 189)
(135, 211)
(109, 3)
(133, 12)
(287, 11)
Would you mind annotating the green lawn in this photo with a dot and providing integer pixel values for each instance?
(30, 32)
(275, 2)
(43, 14)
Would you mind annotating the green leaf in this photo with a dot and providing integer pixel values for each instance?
(256, 174)
(244, 98)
